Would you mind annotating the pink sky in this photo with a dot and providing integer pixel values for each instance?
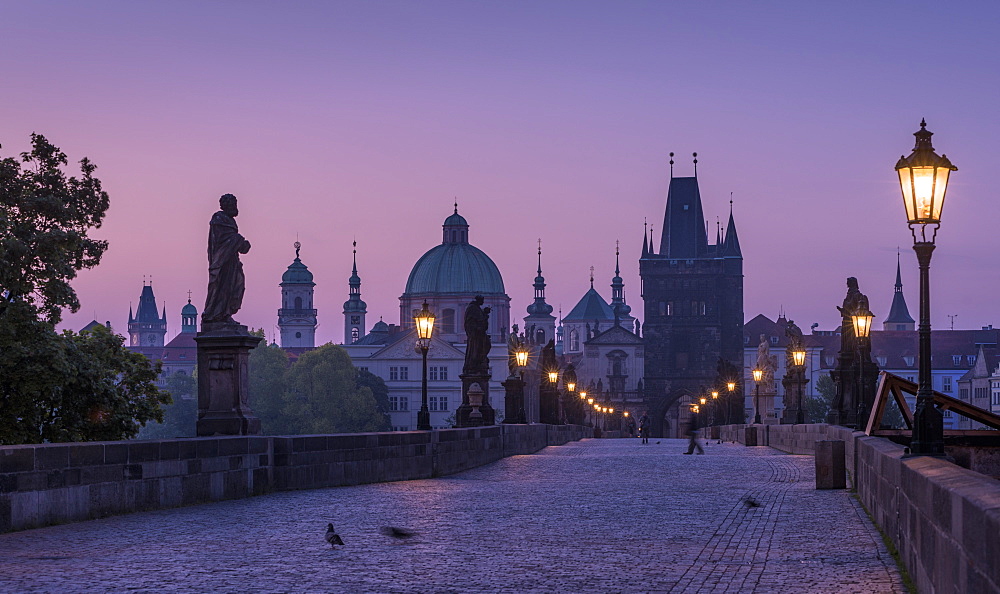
(335, 121)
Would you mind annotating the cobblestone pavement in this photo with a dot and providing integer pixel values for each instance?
(594, 516)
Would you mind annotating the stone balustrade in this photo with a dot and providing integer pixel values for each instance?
(55, 483)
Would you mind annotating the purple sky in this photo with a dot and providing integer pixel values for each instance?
(336, 121)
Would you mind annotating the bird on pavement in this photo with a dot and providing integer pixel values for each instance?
(398, 533)
(332, 537)
(750, 502)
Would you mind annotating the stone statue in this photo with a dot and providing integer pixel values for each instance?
(549, 361)
(767, 364)
(226, 283)
(514, 343)
(795, 341)
(477, 339)
(854, 301)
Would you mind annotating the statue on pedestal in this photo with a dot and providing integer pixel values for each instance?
(477, 339)
(226, 283)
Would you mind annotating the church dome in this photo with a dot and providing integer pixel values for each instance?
(189, 310)
(297, 273)
(455, 268)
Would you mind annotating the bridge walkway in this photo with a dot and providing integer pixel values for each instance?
(594, 516)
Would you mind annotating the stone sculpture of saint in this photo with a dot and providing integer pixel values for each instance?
(549, 361)
(854, 301)
(477, 340)
(766, 363)
(514, 344)
(795, 341)
(226, 283)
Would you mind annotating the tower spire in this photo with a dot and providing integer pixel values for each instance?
(618, 305)
(899, 316)
(591, 277)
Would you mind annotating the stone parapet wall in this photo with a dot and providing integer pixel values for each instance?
(55, 483)
(943, 519)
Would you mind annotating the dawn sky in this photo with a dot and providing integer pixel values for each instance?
(336, 121)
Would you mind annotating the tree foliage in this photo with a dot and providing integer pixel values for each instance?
(817, 407)
(44, 221)
(179, 418)
(321, 392)
(59, 387)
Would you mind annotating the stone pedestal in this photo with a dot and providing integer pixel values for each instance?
(223, 406)
(514, 401)
(794, 383)
(548, 404)
(471, 414)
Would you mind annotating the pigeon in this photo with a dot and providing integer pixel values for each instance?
(750, 502)
(332, 537)
(398, 533)
(657, 443)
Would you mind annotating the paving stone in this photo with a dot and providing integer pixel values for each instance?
(602, 515)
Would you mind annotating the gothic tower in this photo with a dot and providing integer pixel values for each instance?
(693, 304)
(147, 328)
(354, 308)
(297, 318)
(540, 324)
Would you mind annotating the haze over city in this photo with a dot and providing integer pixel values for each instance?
(336, 122)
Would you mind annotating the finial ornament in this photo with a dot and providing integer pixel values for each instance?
(671, 165)
(189, 296)
(456, 204)
(298, 246)
(695, 155)
(591, 277)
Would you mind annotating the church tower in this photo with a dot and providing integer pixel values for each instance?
(189, 318)
(623, 313)
(354, 308)
(693, 304)
(899, 316)
(540, 324)
(147, 328)
(297, 318)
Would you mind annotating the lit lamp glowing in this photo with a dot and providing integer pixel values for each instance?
(799, 357)
(715, 394)
(862, 325)
(553, 376)
(923, 179)
(521, 357)
(758, 374)
(571, 386)
(424, 320)
(703, 400)
(583, 395)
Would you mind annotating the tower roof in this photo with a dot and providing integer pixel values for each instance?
(683, 234)
(731, 245)
(146, 313)
(297, 273)
(898, 313)
(591, 307)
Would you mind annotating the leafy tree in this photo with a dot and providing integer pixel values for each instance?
(323, 395)
(266, 386)
(59, 387)
(380, 391)
(180, 418)
(817, 407)
(44, 221)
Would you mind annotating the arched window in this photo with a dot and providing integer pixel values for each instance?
(355, 334)
(574, 340)
(540, 337)
(298, 303)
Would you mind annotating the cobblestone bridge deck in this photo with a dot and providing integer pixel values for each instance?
(591, 516)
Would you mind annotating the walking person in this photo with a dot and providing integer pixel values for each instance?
(644, 427)
(693, 443)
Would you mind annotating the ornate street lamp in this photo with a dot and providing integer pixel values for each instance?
(521, 357)
(553, 376)
(424, 320)
(758, 375)
(862, 325)
(923, 178)
(799, 362)
(799, 357)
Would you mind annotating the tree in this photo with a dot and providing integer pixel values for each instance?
(44, 221)
(380, 391)
(180, 418)
(322, 395)
(817, 407)
(266, 387)
(59, 387)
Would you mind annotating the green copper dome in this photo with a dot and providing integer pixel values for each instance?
(297, 273)
(455, 266)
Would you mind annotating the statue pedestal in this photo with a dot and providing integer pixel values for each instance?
(548, 404)
(474, 414)
(514, 401)
(223, 406)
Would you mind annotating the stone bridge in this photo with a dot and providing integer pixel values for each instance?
(496, 511)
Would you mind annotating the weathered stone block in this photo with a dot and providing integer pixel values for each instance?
(231, 446)
(86, 454)
(143, 451)
(17, 459)
(831, 470)
(208, 447)
(187, 449)
(169, 449)
(50, 457)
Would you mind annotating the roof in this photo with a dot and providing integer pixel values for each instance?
(683, 232)
(615, 335)
(455, 268)
(297, 273)
(146, 312)
(898, 313)
(591, 307)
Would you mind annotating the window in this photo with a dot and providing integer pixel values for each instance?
(971, 359)
(996, 398)
(881, 361)
(946, 383)
(774, 340)
(437, 402)
(399, 373)
(963, 394)
(432, 373)
(355, 319)
(908, 359)
(298, 335)
(956, 359)
(397, 402)
(574, 340)
(355, 334)
(362, 369)
(447, 321)
(947, 414)
(298, 303)
(437, 373)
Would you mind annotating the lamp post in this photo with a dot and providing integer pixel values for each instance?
(424, 320)
(758, 374)
(923, 179)
(731, 386)
(799, 361)
(862, 320)
(514, 401)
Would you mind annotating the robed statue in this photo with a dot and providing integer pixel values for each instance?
(477, 340)
(226, 283)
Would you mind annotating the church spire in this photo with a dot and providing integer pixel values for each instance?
(899, 316)
(539, 308)
(354, 308)
(618, 304)
(731, 245)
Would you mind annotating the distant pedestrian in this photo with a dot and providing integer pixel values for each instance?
(693, 443)
(644, 427)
